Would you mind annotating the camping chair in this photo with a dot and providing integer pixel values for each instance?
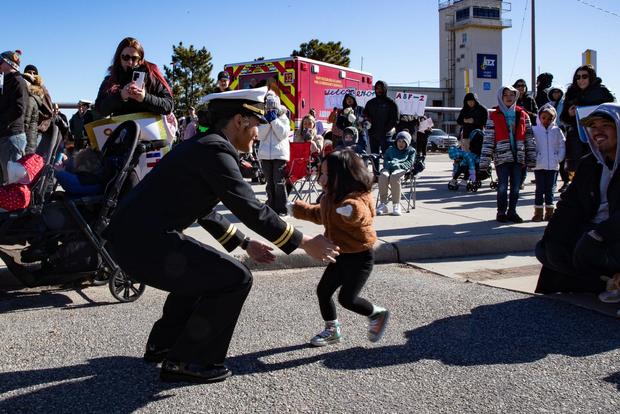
(299, 174)
(408, 185)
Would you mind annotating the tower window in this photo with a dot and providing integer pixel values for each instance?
(486, 12)
(464, 38)
(462, 14)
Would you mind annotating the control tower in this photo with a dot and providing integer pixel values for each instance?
(470, 48)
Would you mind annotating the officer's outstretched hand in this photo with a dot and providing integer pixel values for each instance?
(320, 248)
(260, 252)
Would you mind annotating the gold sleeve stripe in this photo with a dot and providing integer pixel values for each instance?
(286, 236)
(231, 229)
(227, 239)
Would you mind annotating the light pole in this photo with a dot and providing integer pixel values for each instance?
(533, 48)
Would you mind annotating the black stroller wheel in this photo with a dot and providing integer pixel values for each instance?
(124, 289)
(453, 187)
(493, 185)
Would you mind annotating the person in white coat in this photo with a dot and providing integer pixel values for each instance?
(550, 151)
(274, 151)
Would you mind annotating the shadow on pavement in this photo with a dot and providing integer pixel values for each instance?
(110, 384)
(614, 379)
(52, 297)
(513, 332)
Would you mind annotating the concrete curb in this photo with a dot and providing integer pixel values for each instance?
(404, 251)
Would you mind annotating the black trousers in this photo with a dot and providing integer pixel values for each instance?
(576, 268)
(274, 177)
(207, 291)
(349, 273)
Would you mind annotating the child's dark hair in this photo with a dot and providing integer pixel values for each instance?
(346, 174)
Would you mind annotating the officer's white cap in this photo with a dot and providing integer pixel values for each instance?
(252, 95)
(251, 101)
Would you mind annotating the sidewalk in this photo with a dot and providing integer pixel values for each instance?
(444, 224)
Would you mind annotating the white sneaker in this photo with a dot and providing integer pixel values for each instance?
(382, 209)
(396, 210)
(611, 296)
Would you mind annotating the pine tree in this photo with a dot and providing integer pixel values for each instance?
(330, 52)
(189, 76)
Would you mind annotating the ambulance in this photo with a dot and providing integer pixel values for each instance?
(302, 83)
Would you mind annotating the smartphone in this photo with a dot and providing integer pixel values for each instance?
(138, 78)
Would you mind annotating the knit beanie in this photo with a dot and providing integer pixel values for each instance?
(12, 58)
(353, 132)
(405, 136)
(31, 68)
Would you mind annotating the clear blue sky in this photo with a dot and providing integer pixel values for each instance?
(72, 42)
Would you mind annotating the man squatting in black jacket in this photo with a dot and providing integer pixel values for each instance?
(207, 288)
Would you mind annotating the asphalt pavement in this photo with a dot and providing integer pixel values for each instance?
(450, 347)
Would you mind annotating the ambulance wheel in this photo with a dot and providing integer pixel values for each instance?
(453, 187)
(124, 289)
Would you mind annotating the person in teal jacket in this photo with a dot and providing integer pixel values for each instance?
(397, 161)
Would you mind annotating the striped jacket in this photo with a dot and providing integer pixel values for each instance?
(496, 146)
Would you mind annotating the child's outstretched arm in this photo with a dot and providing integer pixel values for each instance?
(309, 212)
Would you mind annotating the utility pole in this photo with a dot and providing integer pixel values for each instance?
(533, 84)
(362, 65)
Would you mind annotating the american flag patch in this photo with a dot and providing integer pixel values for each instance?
(152, 158)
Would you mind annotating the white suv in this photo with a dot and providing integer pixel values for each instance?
(438, 139)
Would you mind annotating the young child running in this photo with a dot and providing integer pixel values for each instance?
(346, 211)
(550, 151)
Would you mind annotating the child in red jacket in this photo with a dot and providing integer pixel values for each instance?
(346, 210)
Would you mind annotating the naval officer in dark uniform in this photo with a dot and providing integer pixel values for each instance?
(207, 288)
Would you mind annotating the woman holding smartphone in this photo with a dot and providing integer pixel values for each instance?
(120, 94)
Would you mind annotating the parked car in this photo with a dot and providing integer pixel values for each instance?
(438, 139)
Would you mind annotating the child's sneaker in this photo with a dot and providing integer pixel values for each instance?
(610, 296)
(382, 209)
(330, 335)
(396, 210)
(377, 323)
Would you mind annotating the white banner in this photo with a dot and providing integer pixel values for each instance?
(408, 103)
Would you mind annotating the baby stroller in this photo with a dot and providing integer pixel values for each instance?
(466, 168)
(57, 240)
(250, 166)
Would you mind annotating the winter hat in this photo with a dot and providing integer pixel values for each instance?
(12, 58)
(31, 68)
(351, 131)
(223, 75)
(272, 101)
(544, 79)
(405, 136)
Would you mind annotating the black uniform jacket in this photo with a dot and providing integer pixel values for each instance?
(579, 204)
(185, 186)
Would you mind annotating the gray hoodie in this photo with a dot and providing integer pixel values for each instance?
(613, 111)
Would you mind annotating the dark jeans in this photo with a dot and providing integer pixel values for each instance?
(510, 171)
(576, 268)
(350, 273)
(11, 149)
(545, 186)
(378, 146)
(274, 176)
(563, 172)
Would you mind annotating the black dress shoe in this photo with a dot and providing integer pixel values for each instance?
(502, 218)
(514, 217)
(194, 373)
(154, 355)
